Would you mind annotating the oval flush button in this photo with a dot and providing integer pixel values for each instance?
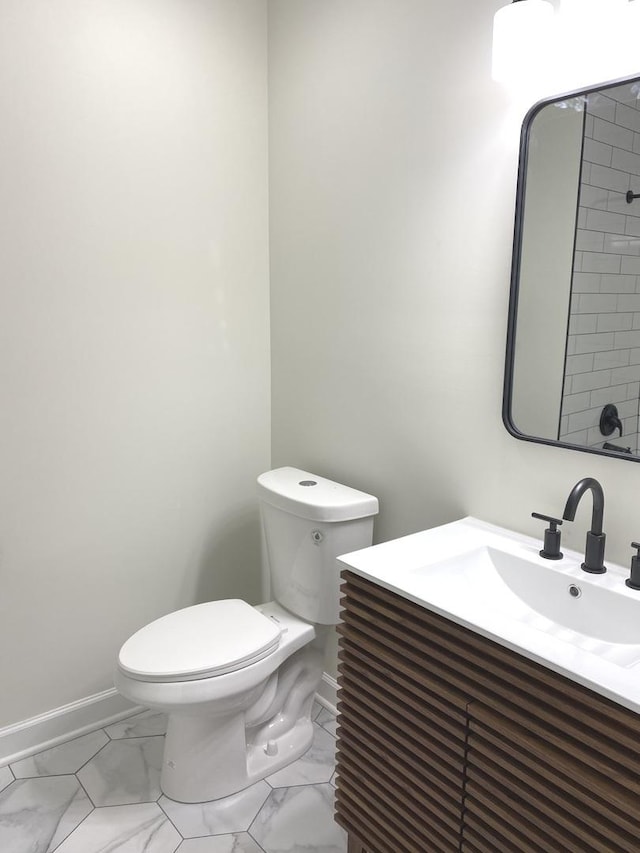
(307, 483)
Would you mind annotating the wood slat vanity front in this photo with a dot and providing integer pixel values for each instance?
(449, 742)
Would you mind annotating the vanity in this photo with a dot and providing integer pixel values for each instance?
(489, 699)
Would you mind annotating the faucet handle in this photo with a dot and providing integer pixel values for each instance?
(549, 518)
(551, 550)
(633, 581)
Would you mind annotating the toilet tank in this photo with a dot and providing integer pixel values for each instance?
(308, 521)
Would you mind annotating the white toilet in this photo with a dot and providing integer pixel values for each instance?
(238, 681)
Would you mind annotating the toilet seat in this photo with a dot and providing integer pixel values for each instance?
(199, 642)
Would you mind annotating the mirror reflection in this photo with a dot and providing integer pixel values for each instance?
(573, 358)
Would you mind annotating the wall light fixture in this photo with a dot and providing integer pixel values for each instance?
(581, 43)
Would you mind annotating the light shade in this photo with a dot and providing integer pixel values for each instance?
(591, 41)
(521, 32)
(584, 43)
(581, 8)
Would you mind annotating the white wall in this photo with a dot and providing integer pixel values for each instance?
(134, 360)
(134, 301)
(393, 167)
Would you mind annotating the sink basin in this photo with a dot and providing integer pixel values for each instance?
(494, 581)
(544, 598)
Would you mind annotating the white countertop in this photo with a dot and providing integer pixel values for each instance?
(435, 569)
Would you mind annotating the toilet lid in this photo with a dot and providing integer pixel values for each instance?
(200, 641)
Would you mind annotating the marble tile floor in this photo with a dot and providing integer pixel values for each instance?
(99, 793)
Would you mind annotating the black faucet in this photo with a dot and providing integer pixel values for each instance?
(594, 548)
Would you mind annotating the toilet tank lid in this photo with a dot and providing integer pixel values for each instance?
(316, 498)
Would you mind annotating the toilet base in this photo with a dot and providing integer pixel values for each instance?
(200, 764)
(285, 749)
(209, 756)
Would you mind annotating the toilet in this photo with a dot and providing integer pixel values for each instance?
(238, 681)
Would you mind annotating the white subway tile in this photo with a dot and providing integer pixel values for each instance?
(625, 161)
(579, 364)
(590, 381)
(630, 266)
(600, 262)
(593, 241)
(596, 197)
(634, 355)
(617, 202)
(618, 284)
(611, 178)
(589, 282)
(629, 302)
(627, 340)
(627, 117)
(632, 228)
(583, 324)
(601, 106)
(613, 134)
(601, 396)
(625, 374)
(623, 94)
(583, 420)
(596, 303)
(597, 152)
(611, 358)
(620, 244)
(627, 408)
(577, 438)
(595, 437)
(581, 221)
(616, 322)
(600, 220)
(576, 402)
(594, 343)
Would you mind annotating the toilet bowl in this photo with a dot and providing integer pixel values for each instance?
(238, 681)
(214, 745)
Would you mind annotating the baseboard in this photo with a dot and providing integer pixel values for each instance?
(23, 739)
(46, 730)
(327, 694)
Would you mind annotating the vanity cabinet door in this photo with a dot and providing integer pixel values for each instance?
(528, 791)
(448, 741)
(402, 728)
(356, 846)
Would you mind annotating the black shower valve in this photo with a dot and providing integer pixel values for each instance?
(610, 420)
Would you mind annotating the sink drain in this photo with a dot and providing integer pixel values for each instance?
(575, 591)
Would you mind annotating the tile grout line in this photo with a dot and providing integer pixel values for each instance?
(110, 741)
(168, 816)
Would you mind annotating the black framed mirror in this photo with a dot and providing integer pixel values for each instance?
(572, 374)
